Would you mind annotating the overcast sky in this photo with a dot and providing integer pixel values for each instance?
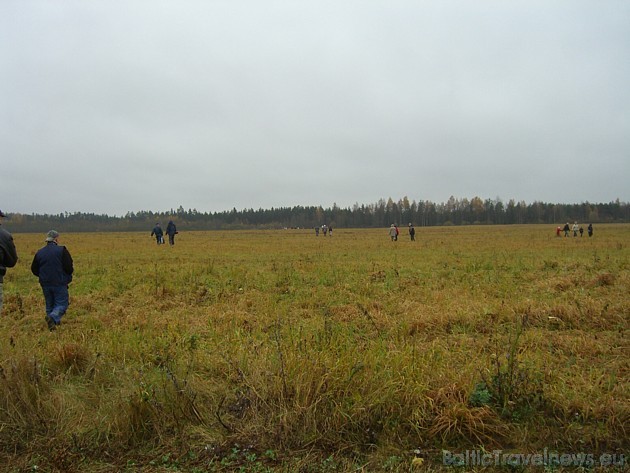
(113, 106)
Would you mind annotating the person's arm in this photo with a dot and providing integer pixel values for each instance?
(10, 255)
(66, 261)
(35, 266)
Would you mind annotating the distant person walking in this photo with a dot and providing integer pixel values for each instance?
(558, 230)
(158, 233)
(8, 256)
(412, 232)
(566, 229)
(575, 229)
(53, 266)
(589, 229)
(330, 230)
(393, 232)
(171, 231)
(581, 231)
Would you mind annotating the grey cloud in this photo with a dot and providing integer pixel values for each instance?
(250, 104)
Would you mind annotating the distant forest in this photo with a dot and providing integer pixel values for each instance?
(381, 214)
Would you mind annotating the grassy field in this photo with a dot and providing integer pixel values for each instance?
(265, 351)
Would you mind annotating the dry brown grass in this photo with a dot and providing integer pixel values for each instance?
(341, 352)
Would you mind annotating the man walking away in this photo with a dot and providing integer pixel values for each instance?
(412, 232)
(159, 234)
(171, 231)
(53, 265)
(8, 255)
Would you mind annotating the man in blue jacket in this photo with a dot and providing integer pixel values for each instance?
(171, 231)
(159, 233)
(53, 265)
(8, 255)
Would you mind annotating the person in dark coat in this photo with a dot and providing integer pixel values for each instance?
(53, 266)
(566, 229)
(171, 231)
(412, 232)
(8, 255)
(159, 233)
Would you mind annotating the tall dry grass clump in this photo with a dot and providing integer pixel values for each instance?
(25, 410)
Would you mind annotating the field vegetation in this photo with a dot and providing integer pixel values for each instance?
(269, 351)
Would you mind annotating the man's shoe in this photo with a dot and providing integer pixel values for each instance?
(51, 323)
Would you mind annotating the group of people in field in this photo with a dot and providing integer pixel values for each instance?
(394, 232)
(171, 231)
(53, 266)
(325, 229)
(575, 228)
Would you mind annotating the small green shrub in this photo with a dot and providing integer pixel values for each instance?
(481, 396)
(513, 387)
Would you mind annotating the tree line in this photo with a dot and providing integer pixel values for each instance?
(455, 211)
